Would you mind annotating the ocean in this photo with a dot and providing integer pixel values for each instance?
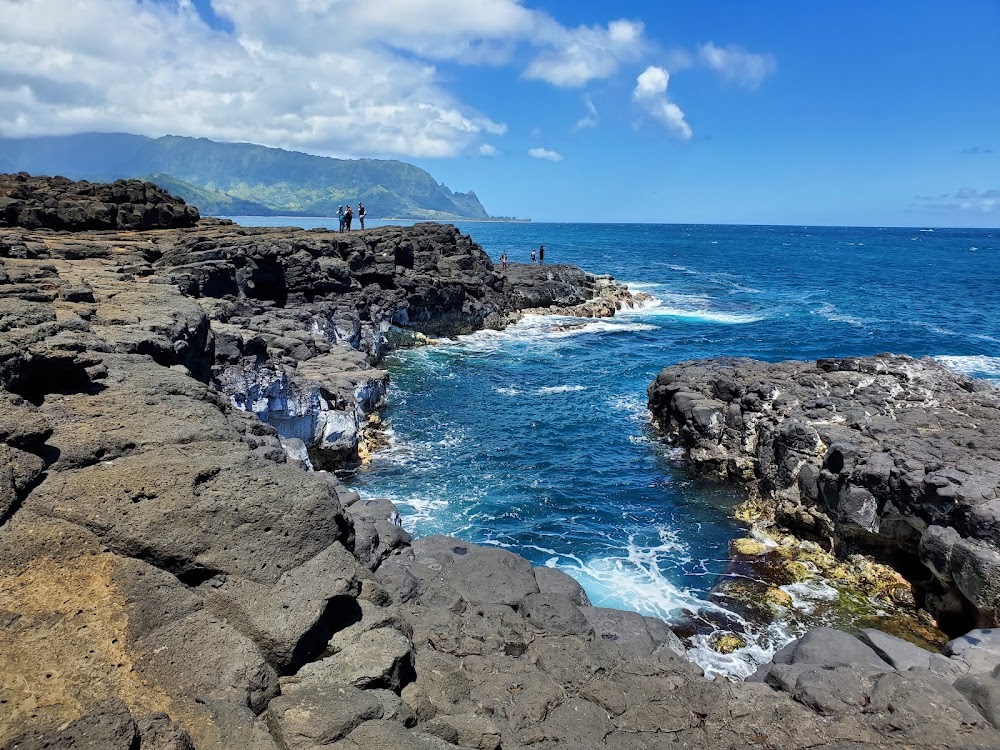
(537, 439)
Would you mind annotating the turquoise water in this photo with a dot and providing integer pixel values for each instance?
(537, 438)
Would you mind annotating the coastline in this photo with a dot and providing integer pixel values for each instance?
(171, 571)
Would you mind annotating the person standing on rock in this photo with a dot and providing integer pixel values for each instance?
(361, 214)
(541, 255)
(532, 255)
(348, 216)
(503, 260)
(340, 215)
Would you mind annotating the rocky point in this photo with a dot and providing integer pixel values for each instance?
(174, 576)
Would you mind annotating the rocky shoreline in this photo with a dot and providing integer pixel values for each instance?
(172, 576)
(886, 454)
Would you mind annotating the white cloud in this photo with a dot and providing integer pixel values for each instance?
(651, 94)
(964, 199)
(545, 154)
(488, 149)
(735, 64)
(590, 120)
(651, 82)
(325, 76)
(577, 56)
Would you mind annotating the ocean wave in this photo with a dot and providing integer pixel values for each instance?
(977, 366)
(632, 577)
(633, 405)
(829, 312)
(550, 389)
(743, 662)
(572, 328)
(661, 308)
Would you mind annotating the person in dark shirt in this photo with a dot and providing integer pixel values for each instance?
(361, 214)
(348, 216)
(541, 255)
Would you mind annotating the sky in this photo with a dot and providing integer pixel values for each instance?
(786, 112)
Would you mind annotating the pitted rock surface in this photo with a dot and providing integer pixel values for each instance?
(883, 453)
(59, 203)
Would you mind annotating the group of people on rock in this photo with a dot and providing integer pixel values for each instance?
(540, 256)
(347, 216)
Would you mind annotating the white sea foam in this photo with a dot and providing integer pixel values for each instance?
(547, 390)
(631, 576)
(829, 312)
(633, 405)
(976, 366)
(806, 595)
(743, 662)
(604, 325)
(662, 308)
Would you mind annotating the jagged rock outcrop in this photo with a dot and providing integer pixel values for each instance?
(298, 317)
(169, 579)
(942, 698)
(569, 290)
(60, 203)
(886, 454)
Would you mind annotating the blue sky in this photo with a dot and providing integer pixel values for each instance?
(794, 112)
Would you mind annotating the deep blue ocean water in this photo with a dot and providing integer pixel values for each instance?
(537, 438)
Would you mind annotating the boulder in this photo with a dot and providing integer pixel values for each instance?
(978, 649)
(826, 647)
(319, 715)
(899, 654)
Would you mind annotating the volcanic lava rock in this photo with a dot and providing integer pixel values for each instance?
(60, 203)
(886, 454)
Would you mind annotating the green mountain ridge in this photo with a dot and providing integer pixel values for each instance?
(243, 178)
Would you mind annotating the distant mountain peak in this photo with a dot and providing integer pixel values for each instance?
(246, 178)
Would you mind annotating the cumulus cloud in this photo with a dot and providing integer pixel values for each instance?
(488, 149)
(578, 56)
(735, 64)
(325, 76)
(590, 120)
(651, 94)
(545, 154)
